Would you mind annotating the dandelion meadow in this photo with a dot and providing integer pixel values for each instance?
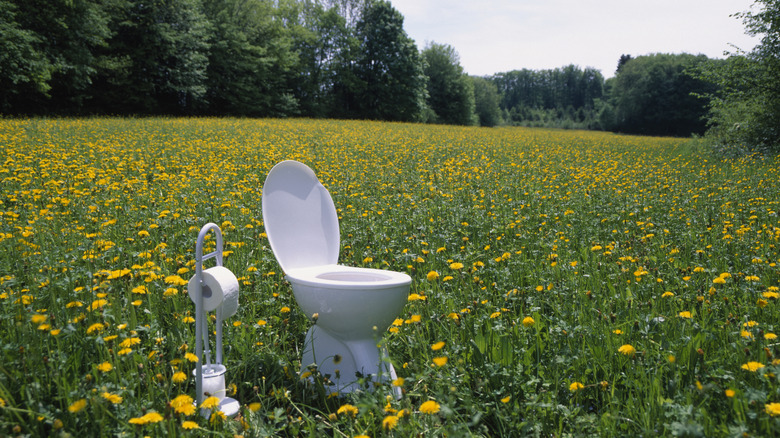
(564, 282)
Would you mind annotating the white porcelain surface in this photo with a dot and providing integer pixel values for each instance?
(300, 218)
(350, 302)
(352, 307)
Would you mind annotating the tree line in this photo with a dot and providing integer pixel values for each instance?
(315, 58)
(353, 59)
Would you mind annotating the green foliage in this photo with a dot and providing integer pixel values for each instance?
(24, 71)
(655, 95)
(562, 96)
(250, 60)
(51, 52)
(390, 81)
(450, 91)
(486, 102)
(745, 114)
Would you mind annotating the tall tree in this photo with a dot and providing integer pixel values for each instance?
(62, 38)
(162, 48)
(450, 91)
(486, 101)
(250, 60)
(655, 95)
(389, 79)
(745, 113)
(24, 69)
(319, 36)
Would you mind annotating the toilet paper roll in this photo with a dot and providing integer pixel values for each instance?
(220, 288)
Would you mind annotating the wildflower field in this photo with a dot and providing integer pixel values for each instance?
(564, 282)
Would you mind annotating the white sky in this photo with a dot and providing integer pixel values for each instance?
(495, 36)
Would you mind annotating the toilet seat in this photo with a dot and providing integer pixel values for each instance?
(300, 218)
(347, 277)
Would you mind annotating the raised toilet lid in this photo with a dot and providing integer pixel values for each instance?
(300, 218)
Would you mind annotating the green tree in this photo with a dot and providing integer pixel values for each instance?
(387, 81)
(320, 37)
(24, 70)
(250, 60)
(486, 102)
(60, 40)
(450, 90)
(655, 95)
(159, 58)
(745, 112)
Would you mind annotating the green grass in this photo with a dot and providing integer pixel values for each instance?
(551, 251)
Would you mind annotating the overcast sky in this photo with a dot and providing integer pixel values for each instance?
(494, 36)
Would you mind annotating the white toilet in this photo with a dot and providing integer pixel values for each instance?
(351, 307)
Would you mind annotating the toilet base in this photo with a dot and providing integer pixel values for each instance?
(343, 362)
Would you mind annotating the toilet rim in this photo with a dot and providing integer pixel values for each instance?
(347, 277)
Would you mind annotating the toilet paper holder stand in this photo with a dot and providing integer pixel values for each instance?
(213, 380)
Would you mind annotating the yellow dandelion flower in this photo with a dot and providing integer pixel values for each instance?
(770, 336)
(437, 346)
(129, 342)
(97, 304)
(285, 309)
(430, 407)
(576, 386)
(254, 407)
(389, 422)
(456, 265)
(113, 398)
(210, 403)
(528, 321)
(191, 357)
(432, 275)
(189, 425)
(730, 393)
(506, 399)
(151, 417)
(77, 406)
(752, 366)
(627, 350)
(667, 294)
(685, 314)
(38, 318)
(96, 327)
(745, 334)
(179, 377)
(140, 290)
(772, 409)
(105, 367)
(183, 404)
(347, 409)
(398, 382)
(440, 361)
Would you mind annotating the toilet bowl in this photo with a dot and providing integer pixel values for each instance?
(351, 307)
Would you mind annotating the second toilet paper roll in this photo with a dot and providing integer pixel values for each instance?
(220, 287)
